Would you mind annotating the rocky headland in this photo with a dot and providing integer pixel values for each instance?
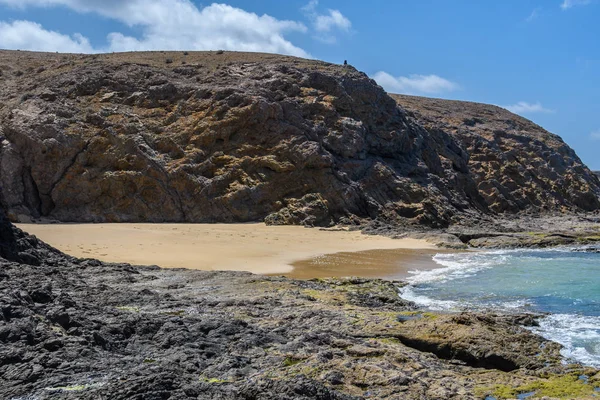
(237, 137)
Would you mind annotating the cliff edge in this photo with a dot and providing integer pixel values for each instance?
(236, 137)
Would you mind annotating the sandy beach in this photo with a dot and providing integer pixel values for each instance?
(293, 250)
(381, 263)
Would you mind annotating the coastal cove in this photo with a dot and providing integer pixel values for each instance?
(250, 226)
(357, 335)
(560, 280)
(294, 251)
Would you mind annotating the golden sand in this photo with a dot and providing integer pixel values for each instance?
(251, 247)
(387, 264)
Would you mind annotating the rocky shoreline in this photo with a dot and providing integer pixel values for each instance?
(238, 137)
(502, 232)
(82, 329)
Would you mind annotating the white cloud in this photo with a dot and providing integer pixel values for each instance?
(523, 107)
(311, 7)
(335, 19)
(534, 14)
(25, 35)
(414, 84)
(572, 3)
(175, 25)
(78, 5)
(326, 24)
(595, 135)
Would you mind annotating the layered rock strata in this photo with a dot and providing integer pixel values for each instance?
(238, 137)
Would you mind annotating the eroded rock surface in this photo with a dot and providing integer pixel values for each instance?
(239, 137)
(516, 164)
(81, 329)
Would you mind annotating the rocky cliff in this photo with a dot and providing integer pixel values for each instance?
(516, 164)
(208, 137)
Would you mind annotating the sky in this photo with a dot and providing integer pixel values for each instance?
(537, 58)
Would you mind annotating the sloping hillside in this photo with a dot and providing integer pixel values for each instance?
(209, 137)
(516, 164)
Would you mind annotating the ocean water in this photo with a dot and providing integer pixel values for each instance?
(564, 282)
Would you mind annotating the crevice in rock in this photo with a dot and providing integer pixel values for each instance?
(448, 352)
(165, 183)
(49, 203)
(179, 204)
(31, 194)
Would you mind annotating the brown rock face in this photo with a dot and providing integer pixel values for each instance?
(243, 137)
(516, 164)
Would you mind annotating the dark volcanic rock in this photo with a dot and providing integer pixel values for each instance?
(244, 137)
(17, 246)
(123, 138)
(82, 329)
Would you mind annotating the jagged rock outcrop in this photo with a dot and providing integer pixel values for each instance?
(18, 246)
(242, 137)
(73, 328)
(516, 164)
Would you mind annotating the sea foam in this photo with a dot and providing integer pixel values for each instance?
(564, 281)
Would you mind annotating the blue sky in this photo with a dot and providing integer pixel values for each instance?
(539, 58)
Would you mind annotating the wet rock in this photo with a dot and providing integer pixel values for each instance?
(238, 336)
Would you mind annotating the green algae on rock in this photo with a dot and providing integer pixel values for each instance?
(245, 336)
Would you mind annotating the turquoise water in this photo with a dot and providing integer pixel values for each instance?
(561, 281)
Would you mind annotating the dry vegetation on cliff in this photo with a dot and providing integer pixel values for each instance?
(236, 137)
(239, 137)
